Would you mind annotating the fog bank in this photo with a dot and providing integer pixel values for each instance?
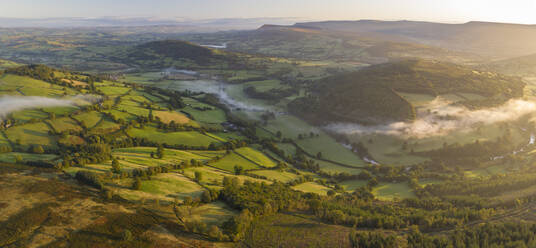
(440, 117)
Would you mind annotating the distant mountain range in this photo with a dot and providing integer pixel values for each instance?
(496, 40)
(206, 25)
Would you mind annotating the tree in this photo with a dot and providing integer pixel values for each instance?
(238, 170)
(38, 149)
(116, 167)
(137, 184)
(160, 152)
(127, 235)
(198, 176)
(18, 159)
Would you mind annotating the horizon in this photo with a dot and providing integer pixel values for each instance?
(147, 21)
(457, 11)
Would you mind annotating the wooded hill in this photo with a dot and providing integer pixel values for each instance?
(166, 53)
(371, 95)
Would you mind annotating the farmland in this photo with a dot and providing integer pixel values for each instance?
(214, 146)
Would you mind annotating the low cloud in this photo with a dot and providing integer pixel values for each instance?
(440, 118)
(9, 104)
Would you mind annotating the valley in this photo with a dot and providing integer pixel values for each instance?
(286, 136)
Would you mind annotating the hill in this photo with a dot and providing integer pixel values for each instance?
(499, 40)
(166, 53)
(521, 66)
(372, 94)
(308, 42)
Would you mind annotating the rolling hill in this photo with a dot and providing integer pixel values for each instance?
(372, 94)
(498, 40)
(166, 53)
(308, 42)
(521, 66)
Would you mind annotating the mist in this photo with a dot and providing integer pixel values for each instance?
(11, 104)
(440, 117)
(218, 89)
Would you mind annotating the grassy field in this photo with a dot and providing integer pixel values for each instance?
(166, 187)
(392, 191)
(214, 213)
(113, 90)
(275, 175)
(121, 115)
(190, 138)
(256, 157)
(352, 185)
(133, 108)
(312, 187)
(215, 116)
(32, 87)
(140, 158)
(291, 127)
(11, 157)
(106, 125)
(61, 110)
(90, 119)
(334, 168)
(30, 134)
(228, 162)
(29, 114)
(388, 149)
(169, 116)
(64, 124)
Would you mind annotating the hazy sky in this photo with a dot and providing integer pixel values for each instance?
(518, 11)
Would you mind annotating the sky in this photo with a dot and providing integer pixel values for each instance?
(453, 11)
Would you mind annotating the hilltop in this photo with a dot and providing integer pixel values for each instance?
(166, 53)
(499, 40)
(372, 94)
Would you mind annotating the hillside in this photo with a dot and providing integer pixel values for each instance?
(372, 94)
(306, 42)
(499, 40)
(521, 66)
(168, 53)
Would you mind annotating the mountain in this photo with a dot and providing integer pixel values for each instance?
(188, 25)
(371, 95)
(497, 40)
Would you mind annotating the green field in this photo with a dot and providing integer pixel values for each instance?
(256, 157)
(113, 90)
(64, 124)
(30, 134)
(32, 87)
(388, 149)
(190, 138)
(228, 162)
(352, 185)
(29, 114)
(11, 157)
(214, 116)
(213, 177)
(291, 127)
(214, 213)
(90, 119)
(312, 187)
(166, 187)
(61, 110)
(281, 176)
(392, 191)
(106, 125)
